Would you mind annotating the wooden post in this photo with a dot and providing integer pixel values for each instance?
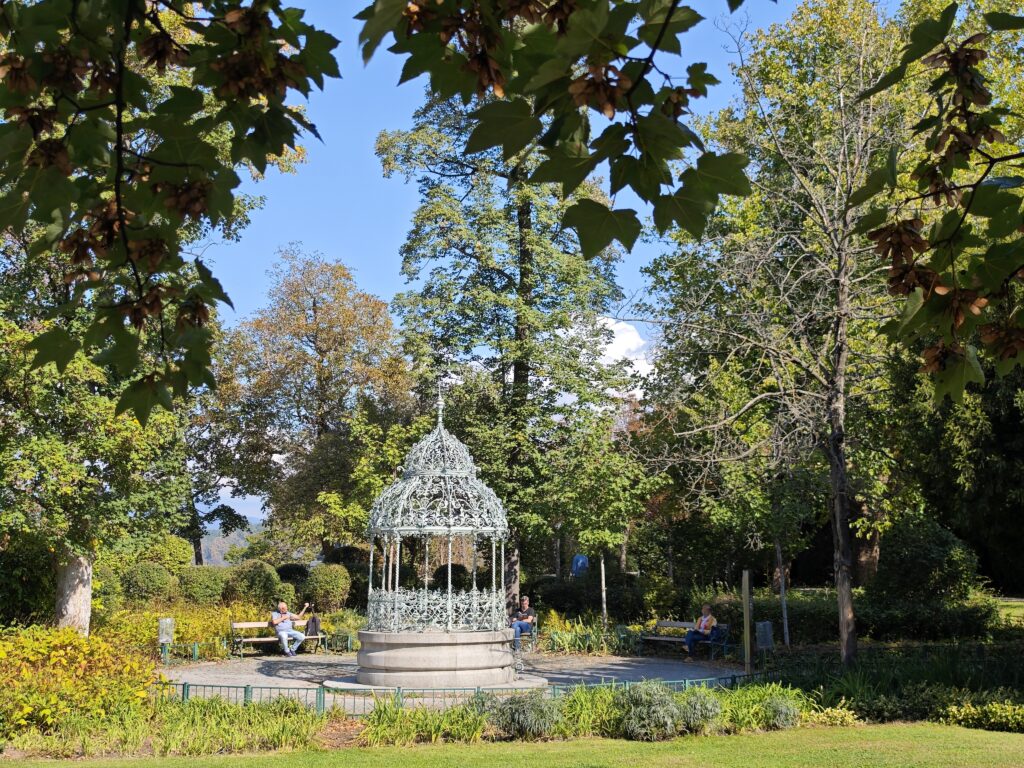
(747, 637)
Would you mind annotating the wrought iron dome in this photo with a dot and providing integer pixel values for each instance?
(438, 493)
(438, 499)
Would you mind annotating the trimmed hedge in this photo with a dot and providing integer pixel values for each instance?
(327, 587)
(203, 584)
(253, 581)
(145, 582)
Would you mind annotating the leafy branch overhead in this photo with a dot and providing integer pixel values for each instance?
(555, 64)
(114, 165)
(952, 228)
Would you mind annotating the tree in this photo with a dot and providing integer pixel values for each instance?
(771, 322)
(599, 487)
(317, 388)
(139, 172)
(109, 164)
(75, 474)
(950, 229)
(504, 300)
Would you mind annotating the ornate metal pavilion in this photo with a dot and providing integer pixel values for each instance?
(437, 501)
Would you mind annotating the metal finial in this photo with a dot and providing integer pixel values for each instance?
(440, 404)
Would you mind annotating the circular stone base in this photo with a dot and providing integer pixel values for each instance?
(435, 659)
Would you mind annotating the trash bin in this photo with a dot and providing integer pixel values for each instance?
(165, 631)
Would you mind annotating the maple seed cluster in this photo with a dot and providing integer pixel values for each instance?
(901, 242)
(248, 72)
(601, 88)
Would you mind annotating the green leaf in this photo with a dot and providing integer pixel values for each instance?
(1003, 21)
(584, 29)
(723, 174)
(689, 208)
(54, 346)
(597, 226)
(998, 263)
(508, 124)
(643, 175)
(872, 186)
(569, 170)
(140, 397)
(954, 378)
(892, 168)
(122, 355)
(683, 18)
(214, 289)
(381, 17)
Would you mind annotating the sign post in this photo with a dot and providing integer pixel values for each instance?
(747, 635)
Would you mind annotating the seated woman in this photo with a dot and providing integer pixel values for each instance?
(702, 631)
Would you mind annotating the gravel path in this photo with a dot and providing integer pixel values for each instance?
(308, 671)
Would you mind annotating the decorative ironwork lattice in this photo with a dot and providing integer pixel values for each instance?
(416, 610)
(438, 495)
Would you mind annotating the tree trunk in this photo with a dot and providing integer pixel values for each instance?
(604, 597)
(842, 547)
(74, 593)
(869, 547)
(512, 586)
(623, 550)
(671, 564)
(782, 593)
(521, 351)
(197, 550)
(558, 554)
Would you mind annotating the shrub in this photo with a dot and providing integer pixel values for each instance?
(461, 577)
(589, 711)
(293, 573)
(526, 717)
(829, 717)
(286, 593)
(779, 713)
(254, 581)
(203, 584)
(172, 552)
(107, 592)
(648, 712)
(327, 587)
(51, 675)
(144, 582)
(923, 563)
(699, 708)
(391, 724)
(761, 707)
(994, 716)
(137, 629)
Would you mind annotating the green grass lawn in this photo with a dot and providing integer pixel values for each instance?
(878, 746)
(1012, 609)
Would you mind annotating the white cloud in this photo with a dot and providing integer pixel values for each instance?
(626, 344)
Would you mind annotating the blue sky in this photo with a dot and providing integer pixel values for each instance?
(339, 203)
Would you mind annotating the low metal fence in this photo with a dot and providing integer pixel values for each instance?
(359, 703)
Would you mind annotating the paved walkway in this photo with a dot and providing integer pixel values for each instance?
(308, 671)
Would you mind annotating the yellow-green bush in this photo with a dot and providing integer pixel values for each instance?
(192, 623)
(994, 716)
(52, 675)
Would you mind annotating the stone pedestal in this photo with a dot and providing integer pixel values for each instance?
(436, 659)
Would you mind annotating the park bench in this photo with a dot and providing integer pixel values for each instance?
(720, 643)
(240, 637)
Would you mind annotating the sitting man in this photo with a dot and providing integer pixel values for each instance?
(281, 621)
(523, 620)
(702, 631)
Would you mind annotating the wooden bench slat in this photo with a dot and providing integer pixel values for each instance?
(674, 625)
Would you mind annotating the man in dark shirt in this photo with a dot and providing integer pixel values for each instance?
(523, 620)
